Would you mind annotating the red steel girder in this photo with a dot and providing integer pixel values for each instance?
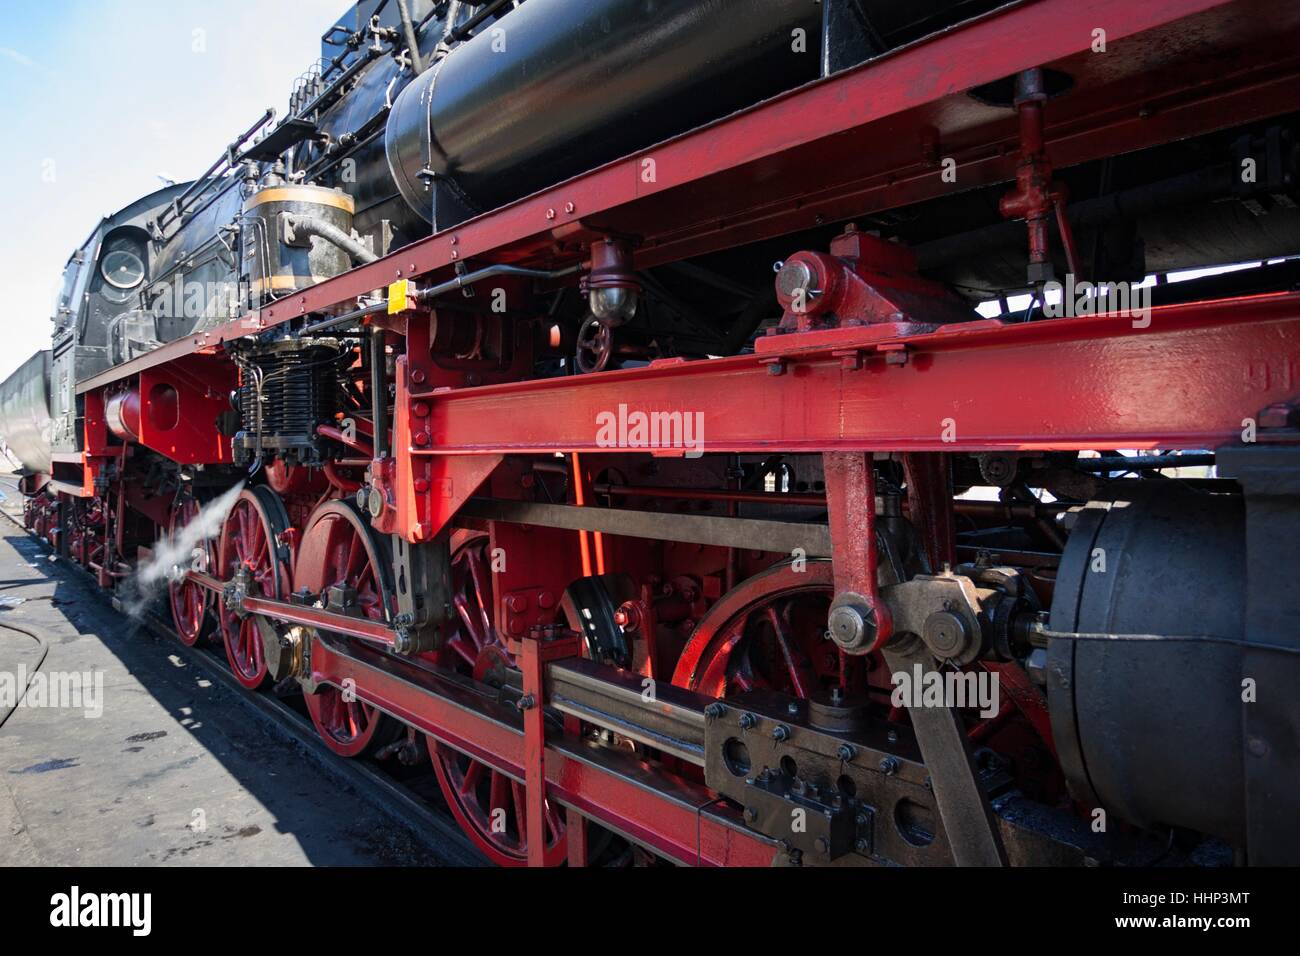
(1186, 381)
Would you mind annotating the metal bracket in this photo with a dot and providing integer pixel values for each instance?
(422, 584)
(534, 652)
(963, 803)
(822, 781)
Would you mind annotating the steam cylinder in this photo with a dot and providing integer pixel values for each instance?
(556, 88)
(1151, 730)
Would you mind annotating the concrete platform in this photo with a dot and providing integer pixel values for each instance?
(175, 770)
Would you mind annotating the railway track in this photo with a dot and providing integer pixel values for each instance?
(407, 795)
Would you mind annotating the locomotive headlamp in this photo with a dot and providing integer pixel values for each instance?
(611, 286)
(122, 269)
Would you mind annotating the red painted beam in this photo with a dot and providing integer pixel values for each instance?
(1186, 381)
(670, 816)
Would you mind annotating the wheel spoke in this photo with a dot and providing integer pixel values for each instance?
(473, 773)
(797, 682)
(521, 811)
(458, 645)
(498, 793)
(482, 591)
(461, 604)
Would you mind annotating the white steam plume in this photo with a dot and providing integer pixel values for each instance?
(172, 558)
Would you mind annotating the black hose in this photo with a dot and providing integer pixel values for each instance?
(408, 30)
(45, 650)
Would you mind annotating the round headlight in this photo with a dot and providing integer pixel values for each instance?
(122, 269)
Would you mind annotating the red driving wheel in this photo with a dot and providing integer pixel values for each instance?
(340, 551)
(250, 539)
(769, 633)
(489, 805)
(191, 603)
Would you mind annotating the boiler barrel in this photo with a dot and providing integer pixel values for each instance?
(25, 422)
(556, 88)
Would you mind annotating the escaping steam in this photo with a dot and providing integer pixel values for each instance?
(172, 558)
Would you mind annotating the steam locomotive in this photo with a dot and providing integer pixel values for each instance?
(879, 561)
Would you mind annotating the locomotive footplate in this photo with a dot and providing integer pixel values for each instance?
(823, 780)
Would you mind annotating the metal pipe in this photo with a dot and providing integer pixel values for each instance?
(408, 30)
(1144, 462)
(357, 66)
(460, 282)
(379, 390)
(346, 485)
(468, 27)
(336, 434)
(332, 234)
(346, 318)
(178, 204)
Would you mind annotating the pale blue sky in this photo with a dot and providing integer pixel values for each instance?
(114, 93)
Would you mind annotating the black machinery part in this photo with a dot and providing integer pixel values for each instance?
(1150, 730)
(482, 127)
